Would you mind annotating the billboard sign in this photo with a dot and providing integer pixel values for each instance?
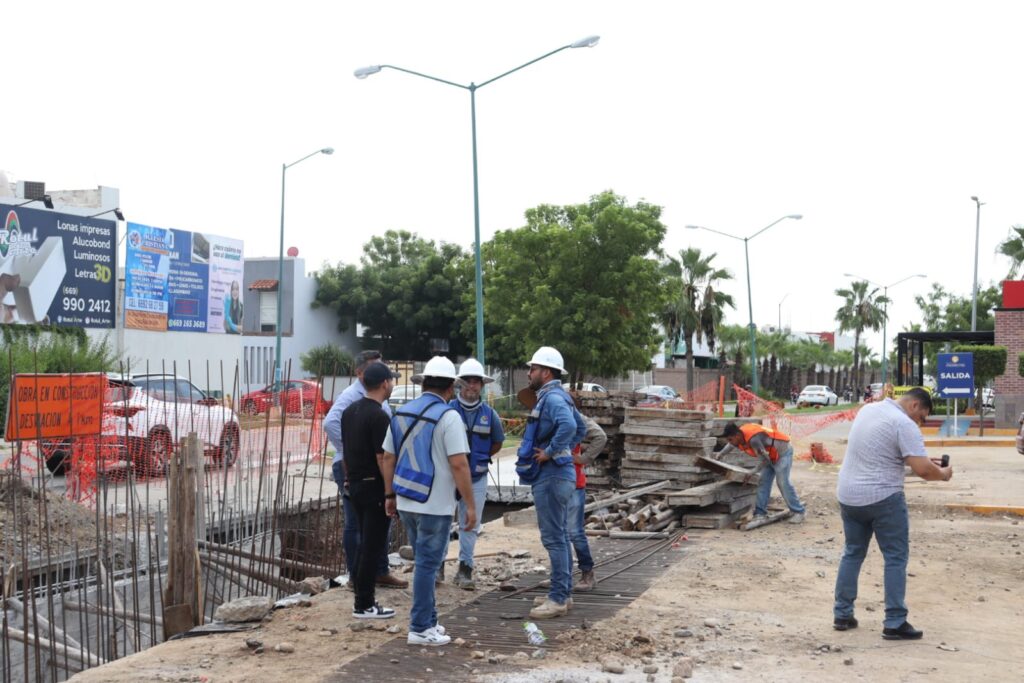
(56, 268)
(188, 281)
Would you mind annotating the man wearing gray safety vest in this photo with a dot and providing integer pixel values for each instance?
(485, 435)
(424, 463)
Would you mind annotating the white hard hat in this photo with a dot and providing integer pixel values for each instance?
(438, 366)
(471, 367)
(549, 357)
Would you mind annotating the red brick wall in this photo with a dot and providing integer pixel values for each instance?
(1009, 388)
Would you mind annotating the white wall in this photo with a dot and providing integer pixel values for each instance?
(313, 326)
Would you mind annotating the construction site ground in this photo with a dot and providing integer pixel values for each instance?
(745, 606)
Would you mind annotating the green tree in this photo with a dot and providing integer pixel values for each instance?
(1013, 247)
(695, 306)
(862, 309)
(327, 359)
(406, 292)
(989, 363)
(944, 311)
(583, 278)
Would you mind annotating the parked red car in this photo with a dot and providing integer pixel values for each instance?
(298, 396)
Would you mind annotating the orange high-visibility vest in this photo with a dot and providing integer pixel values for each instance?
(750, 430)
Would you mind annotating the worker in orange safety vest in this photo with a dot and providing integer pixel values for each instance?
(774, 452)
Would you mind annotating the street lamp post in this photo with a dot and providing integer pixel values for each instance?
(885, 315)
(974, 291)
(755, 382)
(280, 261)
(780, 310)
(365, 71)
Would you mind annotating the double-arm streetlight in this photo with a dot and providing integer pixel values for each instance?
(755, 383)
(280, 260)
(885, 315)
(365, 71)
(974, 292)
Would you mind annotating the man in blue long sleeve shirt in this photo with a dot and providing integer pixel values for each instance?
(350, 538)
(559, 428)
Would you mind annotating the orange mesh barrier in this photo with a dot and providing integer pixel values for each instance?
(797, 425)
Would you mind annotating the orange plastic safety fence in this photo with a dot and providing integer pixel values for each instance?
(795, 425)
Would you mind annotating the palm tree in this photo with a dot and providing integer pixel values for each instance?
(861, 310)
(1014, 248)
(733, 341)
(844, 359)
(695, 308)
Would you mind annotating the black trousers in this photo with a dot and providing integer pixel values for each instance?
(367, 498)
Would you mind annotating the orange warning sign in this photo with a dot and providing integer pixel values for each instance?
(55, 406)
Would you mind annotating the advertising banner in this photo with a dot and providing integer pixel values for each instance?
(56, 268)
(147, 265)
(188, 285)
(225, 314)
(187, 281)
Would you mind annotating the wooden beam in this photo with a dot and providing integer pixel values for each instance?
(762, 521)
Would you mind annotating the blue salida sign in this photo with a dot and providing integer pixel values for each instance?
(956, 375)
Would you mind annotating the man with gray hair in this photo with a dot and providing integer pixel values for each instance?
(885, 437)
(350, 537)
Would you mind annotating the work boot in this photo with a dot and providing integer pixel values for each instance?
(549, 609)
(587, 581)
(798, 518)
(464, 577)
(439, 579)
(540, 599)
(391, 581)
(546, 583)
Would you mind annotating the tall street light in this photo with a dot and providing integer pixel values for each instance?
(365, 71)
(885, 315)
(780, 309)
(280, 260)
(974, 292)
(755, 383)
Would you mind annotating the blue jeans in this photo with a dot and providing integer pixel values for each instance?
(467, 539)
(428, 535)
(778, 470)
(576, 535)
(552, 498)
(889, 522)
(351, 536)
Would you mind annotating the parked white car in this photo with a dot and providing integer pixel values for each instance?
(152, 413)
(817, 394)
(659, 391)
(404, 393)
(586, 386)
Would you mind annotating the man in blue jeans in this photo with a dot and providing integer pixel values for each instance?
(559, 427)
(350, 537)
(884, 438)
(424, 462)
(774, 452)
(583, 456)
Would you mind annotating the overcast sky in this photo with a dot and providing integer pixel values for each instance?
(875, 120)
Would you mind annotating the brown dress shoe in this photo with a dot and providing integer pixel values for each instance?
(391, 581)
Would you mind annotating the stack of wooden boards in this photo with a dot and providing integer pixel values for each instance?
(609, 411)
(673, 448)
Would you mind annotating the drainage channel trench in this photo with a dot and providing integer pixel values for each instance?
(494, 621)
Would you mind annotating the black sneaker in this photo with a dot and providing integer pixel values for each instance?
(904, 632)
(841, 624)
(375, 612)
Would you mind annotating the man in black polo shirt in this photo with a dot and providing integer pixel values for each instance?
(363, 427)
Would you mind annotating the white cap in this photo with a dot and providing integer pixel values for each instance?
(549, 357)
(438, 366)
(471, 367)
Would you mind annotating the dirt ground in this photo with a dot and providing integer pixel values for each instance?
(746, 606)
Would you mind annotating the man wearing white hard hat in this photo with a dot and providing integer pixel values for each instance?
(423, 464)
(545, 463)
(485, 435)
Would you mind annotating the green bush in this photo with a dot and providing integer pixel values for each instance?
(45, 352)
(327, 360)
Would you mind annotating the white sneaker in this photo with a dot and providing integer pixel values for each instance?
(375, 612)
(430, 637)
(798, 518)
(440, 629)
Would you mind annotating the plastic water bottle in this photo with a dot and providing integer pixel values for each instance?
(534, 634)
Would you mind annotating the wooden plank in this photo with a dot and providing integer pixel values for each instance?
(675, 445)
(631, 493)
(643, 430)
(700, 495)
(770, 519)
(735, 473)
(661, 458)
(701, 425)
(658, 440)
(524, 517)
(719, 520)
(667, 413)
